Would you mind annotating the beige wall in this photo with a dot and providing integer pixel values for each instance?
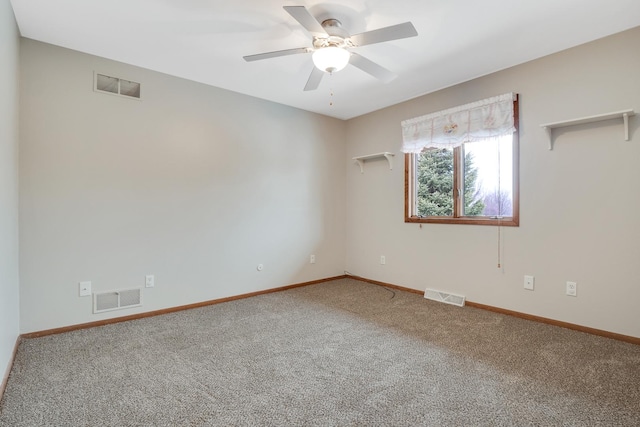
(198, 185)
(579, 203)
(193, 184)
(9, 61)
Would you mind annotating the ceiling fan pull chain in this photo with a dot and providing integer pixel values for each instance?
(331, 91)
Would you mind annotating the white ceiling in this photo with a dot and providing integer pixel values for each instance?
(205, 40)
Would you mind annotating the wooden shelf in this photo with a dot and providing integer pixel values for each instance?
(624, 115)
(361, 159)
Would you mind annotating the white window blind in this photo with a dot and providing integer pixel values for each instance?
(481, 120)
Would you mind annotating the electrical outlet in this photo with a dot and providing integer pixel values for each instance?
(572, 289)
(149, 281)
(383, 260)
(529, 282)
(312, 259)
(84, 289)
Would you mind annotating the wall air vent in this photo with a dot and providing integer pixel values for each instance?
(445, 297)
(117, 300)
(116, 86)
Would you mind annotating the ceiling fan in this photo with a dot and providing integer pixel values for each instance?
(331, 46)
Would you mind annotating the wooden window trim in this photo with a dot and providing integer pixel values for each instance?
(410, 179)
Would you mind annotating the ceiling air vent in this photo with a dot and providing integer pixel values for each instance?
(116, 86)
(117, 300)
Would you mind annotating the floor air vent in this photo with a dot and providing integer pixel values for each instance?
(117, 300)
(445, 297)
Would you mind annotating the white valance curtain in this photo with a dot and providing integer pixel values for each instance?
(486, 119)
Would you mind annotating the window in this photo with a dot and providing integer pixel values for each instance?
(468, 177)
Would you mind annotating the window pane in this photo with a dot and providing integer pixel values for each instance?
(435, 183)
(488, 178)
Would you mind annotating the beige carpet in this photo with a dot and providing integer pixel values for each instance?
(339, 353)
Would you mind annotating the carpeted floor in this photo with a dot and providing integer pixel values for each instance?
(338, 353)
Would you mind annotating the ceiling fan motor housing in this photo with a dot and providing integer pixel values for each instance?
(336, 36)
(333, 27)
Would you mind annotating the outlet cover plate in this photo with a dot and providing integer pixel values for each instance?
(149, 281)
(572, 289)
(84, 289)
(529, 281)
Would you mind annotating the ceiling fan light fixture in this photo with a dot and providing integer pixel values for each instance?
(331, 58)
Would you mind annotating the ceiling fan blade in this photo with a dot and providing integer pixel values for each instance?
(394, 32)
(276, 53)
(302, 15)
(372, 68)
(314, 79)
